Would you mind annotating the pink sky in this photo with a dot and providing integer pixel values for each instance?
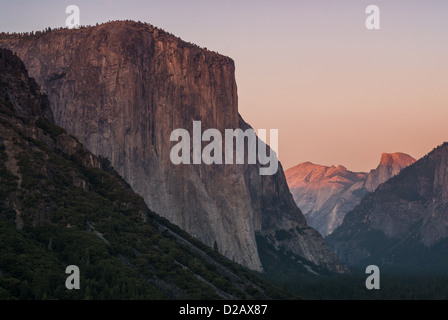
(337, 92)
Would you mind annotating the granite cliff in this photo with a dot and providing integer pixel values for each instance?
(121, 88)
(60, 205)
(390, 165)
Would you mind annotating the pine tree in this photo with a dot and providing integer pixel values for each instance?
(215, 247)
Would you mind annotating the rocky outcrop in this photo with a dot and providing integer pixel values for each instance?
(122, 88)
(326, 194)
(390, 165)
(404, 222)
(20, 92)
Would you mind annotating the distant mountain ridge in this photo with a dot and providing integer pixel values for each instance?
(326, 194)
(404, 222)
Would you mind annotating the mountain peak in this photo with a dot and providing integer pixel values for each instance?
(390, 165)
(400, 158)
(341, 168)
(318, 188)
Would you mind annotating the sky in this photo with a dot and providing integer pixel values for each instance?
(338, 93)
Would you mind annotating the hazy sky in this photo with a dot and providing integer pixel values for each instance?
(337, 92)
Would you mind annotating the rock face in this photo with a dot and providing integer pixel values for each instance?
(121, 88)
(404, 222)
(326, 194)
(21, 91)
(390, 165)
